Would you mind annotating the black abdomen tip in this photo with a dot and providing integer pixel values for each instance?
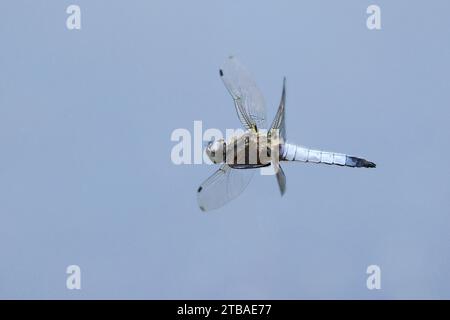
(366, 164)
(359, 163)
(371, 165)
(221, 72)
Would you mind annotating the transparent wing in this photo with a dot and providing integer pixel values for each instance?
(248, 99)
(279, 123)
(281, 178)
(279, 120)
(222, 186)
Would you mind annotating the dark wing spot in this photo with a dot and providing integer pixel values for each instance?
(199, 189)
(221, 72)
(201, 208)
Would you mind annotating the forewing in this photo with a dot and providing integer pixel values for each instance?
(222, 186)
(248, 99)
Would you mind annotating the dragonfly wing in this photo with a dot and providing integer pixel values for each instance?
(279, 120)
(222, 186)
(281, 178)
(279, 123)
(248, 99)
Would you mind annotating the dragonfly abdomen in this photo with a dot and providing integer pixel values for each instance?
(291, 152)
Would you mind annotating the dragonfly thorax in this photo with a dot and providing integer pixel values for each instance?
(248, 150)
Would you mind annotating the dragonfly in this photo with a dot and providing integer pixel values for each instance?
(270, 145)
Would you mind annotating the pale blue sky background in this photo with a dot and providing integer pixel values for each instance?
(85, 170)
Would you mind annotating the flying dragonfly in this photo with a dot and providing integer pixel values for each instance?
(258, 146)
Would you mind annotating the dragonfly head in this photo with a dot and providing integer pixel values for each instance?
(214, 150)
